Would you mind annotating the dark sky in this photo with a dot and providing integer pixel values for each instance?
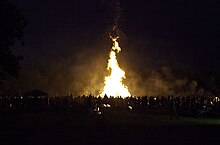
(156, 33)
(183, 30)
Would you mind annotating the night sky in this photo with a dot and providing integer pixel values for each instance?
(66, 42)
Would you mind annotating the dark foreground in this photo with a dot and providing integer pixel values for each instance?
(50, 128)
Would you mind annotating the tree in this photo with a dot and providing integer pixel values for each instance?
(12, 24)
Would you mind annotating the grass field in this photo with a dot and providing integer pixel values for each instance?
(48, 128)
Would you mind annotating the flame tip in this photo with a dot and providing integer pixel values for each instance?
(113, 83)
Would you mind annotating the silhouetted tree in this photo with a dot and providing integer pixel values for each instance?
(12, 25)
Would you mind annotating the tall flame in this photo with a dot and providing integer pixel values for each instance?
(113, 83)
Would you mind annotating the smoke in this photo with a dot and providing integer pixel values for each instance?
(162, 82)
(82, 72)
(78, 73)
(88, 74)
(113, 15)
(114, 7)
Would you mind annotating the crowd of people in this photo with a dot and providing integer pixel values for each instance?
(194, 106)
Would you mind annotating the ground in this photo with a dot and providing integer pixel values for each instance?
(50, 128)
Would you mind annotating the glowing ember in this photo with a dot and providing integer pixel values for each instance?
(113, 83)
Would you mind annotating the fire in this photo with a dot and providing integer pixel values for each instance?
(113, 83)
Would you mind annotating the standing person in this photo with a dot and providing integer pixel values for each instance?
(173, 109)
